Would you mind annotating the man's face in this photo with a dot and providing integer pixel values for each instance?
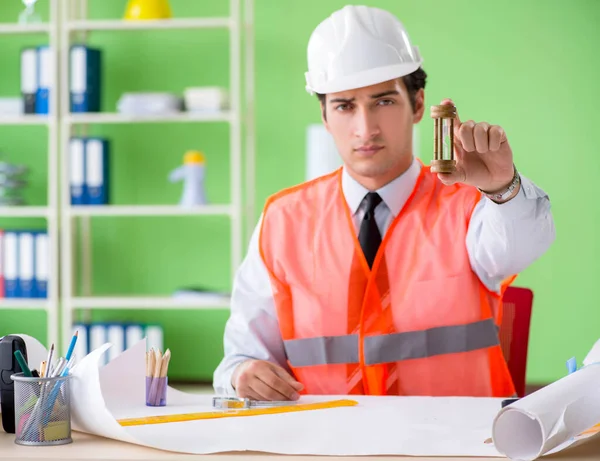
(372, 129)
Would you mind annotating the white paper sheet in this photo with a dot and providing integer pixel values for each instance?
(553, 418)
(378, 425)
(418, 426)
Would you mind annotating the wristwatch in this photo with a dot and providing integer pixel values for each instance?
(503, 194)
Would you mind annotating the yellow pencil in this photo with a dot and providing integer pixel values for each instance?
(592, 430)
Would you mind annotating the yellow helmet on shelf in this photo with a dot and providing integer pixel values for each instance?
(147, 9)
(193, 157)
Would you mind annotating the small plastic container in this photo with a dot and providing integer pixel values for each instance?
(42, 410)
(156, 391)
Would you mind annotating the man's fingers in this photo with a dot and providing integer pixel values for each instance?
(288, 378)
(457, 121)
(280, 386)
(262, 380)
(497, 136)
(465, 135)
(448, 178)
(480, 135)
(249, 394)
(457, 175)
(266, 392)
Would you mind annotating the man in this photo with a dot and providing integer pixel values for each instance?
(382, 277)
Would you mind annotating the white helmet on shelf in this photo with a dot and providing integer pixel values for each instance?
(358, 46)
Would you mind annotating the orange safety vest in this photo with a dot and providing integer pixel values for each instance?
(420, 322)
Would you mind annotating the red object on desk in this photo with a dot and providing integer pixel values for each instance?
(514, 333)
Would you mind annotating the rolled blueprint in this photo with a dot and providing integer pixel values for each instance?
(553, 418)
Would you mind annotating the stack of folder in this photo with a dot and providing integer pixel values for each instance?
(25, 263)
(36, 79)
(122, 336)
(89, 170)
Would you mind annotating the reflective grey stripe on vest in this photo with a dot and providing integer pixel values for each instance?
(426, 343)
(392, 347)
(322, 350)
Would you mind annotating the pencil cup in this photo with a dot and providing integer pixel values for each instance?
(156, 391)
(42, 410)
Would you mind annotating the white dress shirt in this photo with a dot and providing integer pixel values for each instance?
(502, 239)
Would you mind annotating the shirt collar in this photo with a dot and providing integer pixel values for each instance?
(394, 194)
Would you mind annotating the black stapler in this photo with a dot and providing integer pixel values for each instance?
(9, 366)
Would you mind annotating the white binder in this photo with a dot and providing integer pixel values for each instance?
(116, 336)
(77, 171)
(29, 85)
(98, 337)
(11, 264)
(26, 284)
(133, 335)
(154, 335)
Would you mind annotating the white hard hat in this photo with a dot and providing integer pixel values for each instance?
(358, 46)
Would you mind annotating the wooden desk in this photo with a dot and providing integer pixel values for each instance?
(86, 447)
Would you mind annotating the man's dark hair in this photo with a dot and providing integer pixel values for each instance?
(413, 82)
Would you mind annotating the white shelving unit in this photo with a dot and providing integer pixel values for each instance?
(151, 210)
(26, 212)
(111, 118)
(199, 23)
(25, 119)
(145, 302)
(27, 29)
(49, 34)
(240, 120)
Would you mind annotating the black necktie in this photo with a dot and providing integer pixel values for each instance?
(369, 236)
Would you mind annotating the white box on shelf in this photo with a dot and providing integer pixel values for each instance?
(149, 104)
(206, 99)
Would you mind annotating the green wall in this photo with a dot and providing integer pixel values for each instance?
(528, 66)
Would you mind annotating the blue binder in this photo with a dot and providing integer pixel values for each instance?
(85, 82)
(42, 266)
(44, 79)
(96, 170)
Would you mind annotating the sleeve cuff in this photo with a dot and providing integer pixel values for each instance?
(520, 205)
(222, 384)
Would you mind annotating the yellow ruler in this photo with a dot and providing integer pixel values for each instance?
(162, 419)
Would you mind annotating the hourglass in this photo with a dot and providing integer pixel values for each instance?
(29, 15)
(443, 138)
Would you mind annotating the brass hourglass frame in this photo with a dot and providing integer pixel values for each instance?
(444, 160)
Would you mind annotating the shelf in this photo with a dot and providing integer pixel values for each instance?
(23, 211)
(24, 303)
(25, 119)
(148, 302)
(149, 210)
(181, 23)
(9, 28)
(182, 117)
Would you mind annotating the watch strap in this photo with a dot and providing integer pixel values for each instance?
(503, 194)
